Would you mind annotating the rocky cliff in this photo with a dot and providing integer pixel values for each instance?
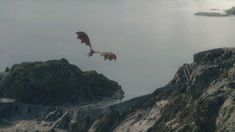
(56, 82)
(200, 98)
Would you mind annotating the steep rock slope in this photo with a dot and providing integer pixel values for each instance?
(200, 98)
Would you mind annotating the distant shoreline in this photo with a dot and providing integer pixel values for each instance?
(211, 14)
(229, 12)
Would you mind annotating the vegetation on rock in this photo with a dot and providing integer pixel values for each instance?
(56, 82)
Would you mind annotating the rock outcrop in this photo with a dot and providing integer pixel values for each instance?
(200, 98)
(56, 82)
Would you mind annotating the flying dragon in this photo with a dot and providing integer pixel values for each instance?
(85, 39)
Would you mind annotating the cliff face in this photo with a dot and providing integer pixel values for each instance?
(200, 98)
(56, 82)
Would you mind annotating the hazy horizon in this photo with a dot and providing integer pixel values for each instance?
(152, 39)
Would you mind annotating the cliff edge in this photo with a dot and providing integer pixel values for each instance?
(200, 98)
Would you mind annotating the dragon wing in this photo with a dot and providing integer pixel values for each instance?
(84, 38)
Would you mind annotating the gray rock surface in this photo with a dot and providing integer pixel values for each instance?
(200, 98)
